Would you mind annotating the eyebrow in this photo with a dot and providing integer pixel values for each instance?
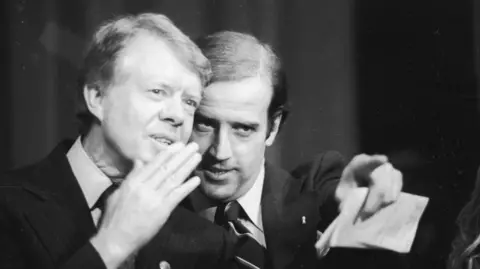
(200, 116)
(168, 87)
(190, 95)
(162, 85)
(253, 125)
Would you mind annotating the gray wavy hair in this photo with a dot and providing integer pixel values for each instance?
(113, 36)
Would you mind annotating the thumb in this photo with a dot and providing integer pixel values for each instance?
(372, 204)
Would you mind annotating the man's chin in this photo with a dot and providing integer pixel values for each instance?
(146, 157)
(148, 154)
(216, 192)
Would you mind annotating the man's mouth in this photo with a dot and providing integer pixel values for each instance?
(163, 140)
(218, 173)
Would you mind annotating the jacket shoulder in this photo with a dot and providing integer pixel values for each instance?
(327, 165)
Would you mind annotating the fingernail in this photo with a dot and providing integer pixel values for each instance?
(195, 180)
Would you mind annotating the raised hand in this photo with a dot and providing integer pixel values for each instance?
(144, 202)
(375, 172)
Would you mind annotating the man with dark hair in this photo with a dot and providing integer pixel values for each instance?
(276, 215)
(96, 201)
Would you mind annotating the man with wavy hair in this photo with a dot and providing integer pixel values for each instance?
(241, 113)
(97, 201)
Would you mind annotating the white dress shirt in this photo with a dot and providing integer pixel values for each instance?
(91, 179)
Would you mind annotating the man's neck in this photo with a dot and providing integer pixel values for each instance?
(103, 155)
(249, 184)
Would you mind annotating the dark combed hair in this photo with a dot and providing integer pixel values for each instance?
(113, 36)
(236, 56)
(467, 240)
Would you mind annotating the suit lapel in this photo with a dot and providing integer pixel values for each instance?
(289, 218)
(60, 216)
(187, 204)
(274, 183)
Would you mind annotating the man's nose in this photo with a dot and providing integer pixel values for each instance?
(173, 111)
(222, 148)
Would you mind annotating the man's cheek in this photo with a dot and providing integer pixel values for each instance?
(202, 141)
(248, 149)
(186, 133)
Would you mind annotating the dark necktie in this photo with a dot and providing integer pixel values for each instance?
(249, 251)
(129, 263)
(102, 200)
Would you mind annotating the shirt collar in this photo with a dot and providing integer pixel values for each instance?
(251, 200)
(91, 179)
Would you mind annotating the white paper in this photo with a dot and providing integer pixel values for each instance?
(393, 227)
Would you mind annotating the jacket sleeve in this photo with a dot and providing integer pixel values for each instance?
(10, 249)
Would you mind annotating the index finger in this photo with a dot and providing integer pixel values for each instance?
(364, 165)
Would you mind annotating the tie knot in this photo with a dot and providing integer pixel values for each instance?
(228, 212)
(102, 200)
(233, 211)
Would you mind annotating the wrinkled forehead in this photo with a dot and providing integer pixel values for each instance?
(150, 55)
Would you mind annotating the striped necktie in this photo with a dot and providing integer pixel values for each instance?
(249, 253)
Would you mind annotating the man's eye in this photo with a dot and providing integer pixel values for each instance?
(202, 127)
(158, 91)
(192, 103)
(244, 130)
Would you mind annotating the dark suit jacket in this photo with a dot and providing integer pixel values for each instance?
(45, 222)
(286, 198)
(289, 198)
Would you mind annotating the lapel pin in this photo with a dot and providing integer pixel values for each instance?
(304, 220)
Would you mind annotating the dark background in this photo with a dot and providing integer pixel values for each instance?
(393, 77)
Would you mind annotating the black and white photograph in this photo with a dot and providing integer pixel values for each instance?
(240, 134)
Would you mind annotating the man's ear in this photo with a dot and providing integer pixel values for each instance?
(275, 126)
(93, 100)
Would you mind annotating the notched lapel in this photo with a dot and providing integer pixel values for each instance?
(272, 224)
(59, 231)
(58, 211)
